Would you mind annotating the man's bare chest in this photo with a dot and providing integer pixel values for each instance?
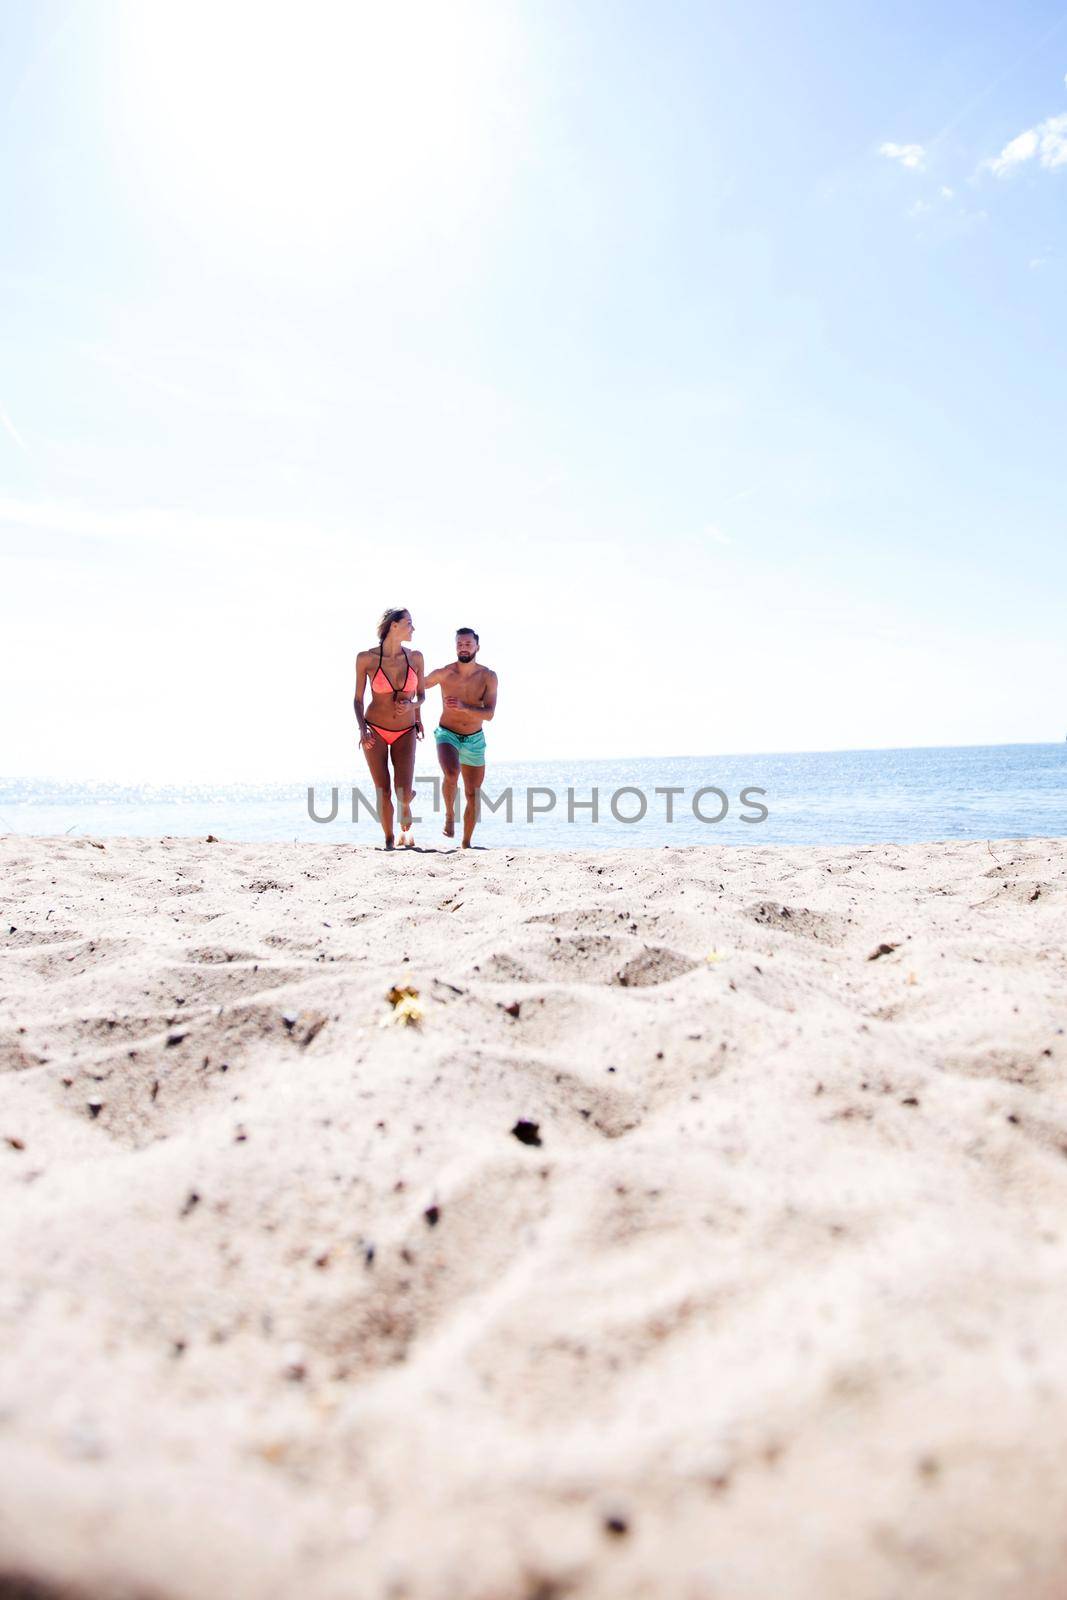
(468, 686)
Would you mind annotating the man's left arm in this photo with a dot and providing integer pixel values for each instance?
(488, 705)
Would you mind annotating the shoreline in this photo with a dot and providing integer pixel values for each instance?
(702, 1232)
(965, 793)
(431, 841)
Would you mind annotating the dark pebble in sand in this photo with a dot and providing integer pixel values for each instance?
(192, 1200)
(432, 1215)
(175, 1037)
(616, 1525)
(94, 1107)
(527, 1132)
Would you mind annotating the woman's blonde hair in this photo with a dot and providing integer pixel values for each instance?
(387, 619)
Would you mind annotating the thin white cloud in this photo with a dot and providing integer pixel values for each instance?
(166, 527)
(912, 156)
(1047, 142)
(12, 432)
(716, 535)
(946, 192)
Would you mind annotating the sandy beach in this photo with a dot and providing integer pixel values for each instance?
(697, 1227)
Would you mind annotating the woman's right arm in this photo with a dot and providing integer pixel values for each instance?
(366, 735)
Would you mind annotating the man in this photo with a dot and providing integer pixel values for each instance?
(469, 694)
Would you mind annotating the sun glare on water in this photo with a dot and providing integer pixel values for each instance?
(335, 118)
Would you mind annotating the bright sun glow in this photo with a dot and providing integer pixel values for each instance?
(337, 118)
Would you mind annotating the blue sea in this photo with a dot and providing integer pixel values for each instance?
(827, 797)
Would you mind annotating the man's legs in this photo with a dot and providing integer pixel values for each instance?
(472, 782)
(448, 756)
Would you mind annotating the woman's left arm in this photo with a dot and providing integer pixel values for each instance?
(420, 691)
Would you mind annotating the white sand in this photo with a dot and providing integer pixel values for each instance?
(783, 1289)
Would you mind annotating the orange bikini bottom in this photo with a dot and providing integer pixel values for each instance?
(391, 735)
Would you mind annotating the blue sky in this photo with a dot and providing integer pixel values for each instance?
(708, 359)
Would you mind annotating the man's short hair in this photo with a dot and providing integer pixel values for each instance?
(472, 633)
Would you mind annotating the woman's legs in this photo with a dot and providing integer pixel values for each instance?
(378, 762)
(403, 753)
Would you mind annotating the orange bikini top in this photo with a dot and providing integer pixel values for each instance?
(410, 682)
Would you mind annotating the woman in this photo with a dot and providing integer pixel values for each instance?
(391, 724)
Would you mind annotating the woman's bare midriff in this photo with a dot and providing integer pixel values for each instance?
(384, 712)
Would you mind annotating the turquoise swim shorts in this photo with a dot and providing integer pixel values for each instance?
(471, 746)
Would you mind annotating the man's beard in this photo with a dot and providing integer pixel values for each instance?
(464, 658)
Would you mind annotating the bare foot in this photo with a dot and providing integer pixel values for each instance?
(389, 843)
(450, 828)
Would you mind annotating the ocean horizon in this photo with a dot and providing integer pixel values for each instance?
(820, 797)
